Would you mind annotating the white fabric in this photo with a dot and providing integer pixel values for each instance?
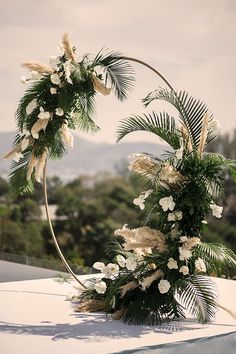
(35, 318)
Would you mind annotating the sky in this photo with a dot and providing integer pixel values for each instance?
(191, 42)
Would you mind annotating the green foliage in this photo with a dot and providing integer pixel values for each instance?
(191, 111)
(160, 124)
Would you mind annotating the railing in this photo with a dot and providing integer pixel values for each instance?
(42, 263)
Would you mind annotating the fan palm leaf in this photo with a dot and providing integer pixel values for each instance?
(162, 125)
(191, 111)
(199, 295)
(117, 70)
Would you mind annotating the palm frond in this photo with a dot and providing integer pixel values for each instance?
(117, 70)
(160, 124)
(18, 181)
(218, 258)
(191, 111)
(199, 295)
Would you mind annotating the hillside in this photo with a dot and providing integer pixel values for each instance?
(85, 158)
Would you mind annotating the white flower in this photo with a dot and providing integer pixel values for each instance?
(167, 203)
(43, 114)
(121, 261)
(110, 270)
(200, 266)
(140, 201)
(23, 79)
(35, 75)
(131, 264)
(214, 125)
(216, 210)
(59, 111)
(184, 254)
(17, 156)
(31, 106)
(177, 215)
(171, 217)
(184, 270)
(55, 79)
(163, 286)
(100, 287)
(67, 69)
(183, 238)
(172, 264)
(53, 90)
(54, 61)
(204, 222)
(98, 265)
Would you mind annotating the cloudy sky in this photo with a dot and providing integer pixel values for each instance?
(192, 42)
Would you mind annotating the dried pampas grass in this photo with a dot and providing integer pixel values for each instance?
(99, 86)
(204, 132)
(67, 47)
(11, 154)
(127, 287)
(39, 125)
(38, 67)
(146, 282)
(92, 305)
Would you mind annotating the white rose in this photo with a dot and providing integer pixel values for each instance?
(53, 90)
(110, 270)
(31, 106)
(59, 111)
(178, 215)
(172, 264)
(200, 266)
(184, 270)
(43, 114)
(55, 79)
(167, 203)
(100, 287)
(121, 261)
(216, 210)
(171, 217)
(98, 265)
(131, 264)
(184, 254)
(163, 286)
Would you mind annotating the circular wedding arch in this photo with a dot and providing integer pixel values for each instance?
(44, 182)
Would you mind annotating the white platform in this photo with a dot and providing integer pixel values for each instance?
(35, 318)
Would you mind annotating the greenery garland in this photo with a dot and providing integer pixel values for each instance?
(61, 97)
(162, 269)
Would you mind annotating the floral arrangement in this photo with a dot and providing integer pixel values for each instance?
(61, 96)
(162, 268)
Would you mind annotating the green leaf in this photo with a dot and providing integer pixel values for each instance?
(160, 124)
(191, 111)
(117, 70)
(199, 295)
